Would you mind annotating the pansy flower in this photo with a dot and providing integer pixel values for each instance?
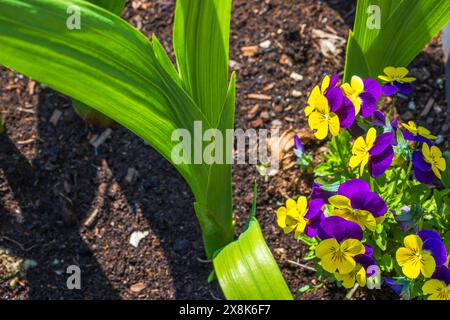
(359, 273)
(379, 119)
(363, 94)
(428, 164)
(414, 259)
(438, 288)
(417, 133)
(319, 192)
(322, 120)
(356, 202)
(326, 88)
(396, 81)
(373, 150)
(341, 243)
(432, 242)
(300, 216)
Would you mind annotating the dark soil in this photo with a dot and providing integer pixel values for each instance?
(52, 180)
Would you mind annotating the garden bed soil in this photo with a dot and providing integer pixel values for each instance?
(64, 202)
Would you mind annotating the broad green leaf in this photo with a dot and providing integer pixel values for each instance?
(113, 68)
(84, 111)
(406, 26)
(247, 270)
(114, 6)
(107, 64)
(201, 44)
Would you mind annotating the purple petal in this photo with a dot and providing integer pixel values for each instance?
(369, 201)
(312, 227)
(382, 142)
(380, 163)
(366, 261)
(354, 186)
(334, 79)
(368, 104)
(314, 208)
(369, 250)
(404, 88)
(379, 119)
(335, 98)
(318, 193)
(346, 114)
(373, 87)
(408, 136)
(389, 89)
(340, 229)
(426, 234)
(394, 285)
(425, 177)
(419, 161)
(298, 144)
(442, 273)
(423, 139)
(437, 249)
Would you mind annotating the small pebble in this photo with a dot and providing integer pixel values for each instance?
(296, 93)
(295, 76)
(437, 109)
(412, 105)
(265, 44)
(439, 139)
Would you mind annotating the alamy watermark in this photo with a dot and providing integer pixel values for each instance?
(213, 146)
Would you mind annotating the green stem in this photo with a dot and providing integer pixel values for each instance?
(344, 164)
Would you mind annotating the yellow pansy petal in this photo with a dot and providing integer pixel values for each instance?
(334, 124)
(436, 172)
(322, 131)
(347, 89)
(302, 205)
(352, 247)
(428, 264)
(357, 104)
(315, 93)
(345, 264)
(315, 119)
(359, 146)
(355, 161)
(357, 85)
(348, 280)
(300, 227)
(326, 246)
(371, 137)
(401, 72)
(368, 220)
(281, 217)
(426, 152)
(291, 204)
(411, 269)
(413, 242)
(411, 127)
(322, 105)
(384, 78)
(403, 256)
(308, 110)
(289, 229)
(361, 277)
(325, 83)
(364, 161)
(408, 79)
(435, 152)
(441, 164)
(390, 71)
(432, 286)
(328, 263)
(340, 202)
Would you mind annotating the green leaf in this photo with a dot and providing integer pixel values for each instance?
(84, 111)
(446, 173)
(406, 26)
(114, 6)
(247, 270)
(201, 44)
